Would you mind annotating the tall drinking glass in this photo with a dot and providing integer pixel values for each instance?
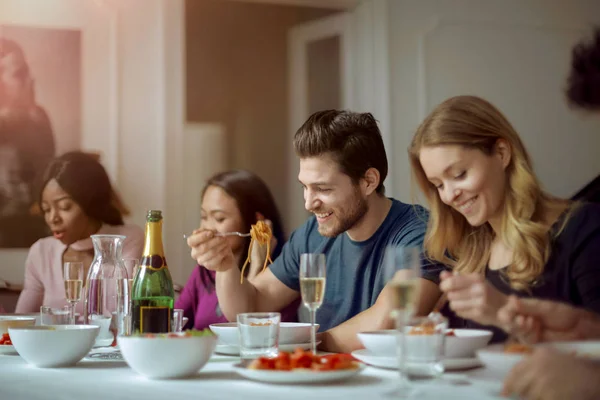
(73, 277)
(131, 264)
(312, 288)
(402, 269)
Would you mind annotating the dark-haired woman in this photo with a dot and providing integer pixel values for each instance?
(77, 200)
(232, 201)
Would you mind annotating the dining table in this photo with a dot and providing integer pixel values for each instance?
(104, 378)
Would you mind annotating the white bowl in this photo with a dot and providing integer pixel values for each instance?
(380, 343)
(289, 333)
(497, 361)
(462, 345)
(164, 357)
(465, 342)
(53, 345)
(13, 321)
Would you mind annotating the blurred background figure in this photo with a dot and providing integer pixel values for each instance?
(26, 147)
(583, 93)
(232, 201)
(18, 226)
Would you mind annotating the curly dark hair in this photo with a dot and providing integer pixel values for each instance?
(583, 85)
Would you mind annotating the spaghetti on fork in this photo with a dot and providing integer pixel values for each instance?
(260, 232)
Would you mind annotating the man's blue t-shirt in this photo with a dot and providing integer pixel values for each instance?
(354, 269)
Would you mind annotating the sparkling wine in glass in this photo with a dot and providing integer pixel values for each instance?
(73, 278)
(312, 288)
(401, 271)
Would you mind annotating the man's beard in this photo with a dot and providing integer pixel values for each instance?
(348, 220)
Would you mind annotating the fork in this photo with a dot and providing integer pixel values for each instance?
(185, 236)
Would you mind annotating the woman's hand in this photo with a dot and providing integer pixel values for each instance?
(472, 297)
(212, 252)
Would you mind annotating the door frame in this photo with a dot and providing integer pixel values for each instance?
(340, 25)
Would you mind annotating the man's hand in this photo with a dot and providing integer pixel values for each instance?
(550, 375)
(534, 320)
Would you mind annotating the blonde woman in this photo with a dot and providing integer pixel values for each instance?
(492, 224)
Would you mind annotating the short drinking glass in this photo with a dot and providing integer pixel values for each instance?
(55, 315)
(424, 347)
(177, 323)
(259, 334)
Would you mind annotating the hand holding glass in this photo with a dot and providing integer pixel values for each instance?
(73, 276)
(312, 288)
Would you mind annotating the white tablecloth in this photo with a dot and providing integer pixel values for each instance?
(107, 380)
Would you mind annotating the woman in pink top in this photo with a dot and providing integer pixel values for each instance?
(232, 201)
(77, 201)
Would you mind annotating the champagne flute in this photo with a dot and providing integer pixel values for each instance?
(73, 277)
(401, 271)
(312, 288)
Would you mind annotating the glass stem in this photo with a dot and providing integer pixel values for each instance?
(72, 313)
(400, 323)
(313, 334)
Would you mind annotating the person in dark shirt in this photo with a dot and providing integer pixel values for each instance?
(492, 224)
(547, 374)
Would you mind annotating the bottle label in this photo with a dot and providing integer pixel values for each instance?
(155, 319)
(154, 262)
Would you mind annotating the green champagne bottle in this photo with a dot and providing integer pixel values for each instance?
(152, 289)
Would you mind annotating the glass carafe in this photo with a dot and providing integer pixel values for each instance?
(106, 289)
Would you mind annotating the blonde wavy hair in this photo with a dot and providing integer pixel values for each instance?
(528, 211)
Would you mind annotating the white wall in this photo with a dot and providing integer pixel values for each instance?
(132, 100)
(515, 54)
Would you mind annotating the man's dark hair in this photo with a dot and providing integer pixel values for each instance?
(583, 85)
(352, 139)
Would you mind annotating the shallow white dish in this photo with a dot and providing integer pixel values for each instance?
(7, 349)
(167, 357)
(391, 362)
(234, 350)
(497, 360)
(462, 344)
(289, 332)
(296, 376)
(36, 316)
(587, 349)
(53, 345)
(13, 321)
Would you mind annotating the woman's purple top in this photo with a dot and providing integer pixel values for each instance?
(199, 302)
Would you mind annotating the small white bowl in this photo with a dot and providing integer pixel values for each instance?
(289, 333)
(14, 321)
(497, 361)
(463, 344)
(380, 343)
(164, 357)
(36, 316)
(53, 345)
